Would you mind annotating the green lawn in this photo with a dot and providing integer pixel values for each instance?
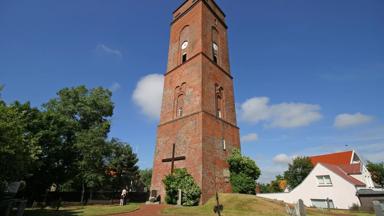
(247, 205)
(92, 210)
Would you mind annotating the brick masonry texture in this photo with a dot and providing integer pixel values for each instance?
(199, 132)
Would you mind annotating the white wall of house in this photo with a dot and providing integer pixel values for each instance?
(341, 192)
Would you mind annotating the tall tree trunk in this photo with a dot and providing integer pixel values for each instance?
(82, 193)
(91, 194)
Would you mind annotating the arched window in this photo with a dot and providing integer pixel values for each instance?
(184, 43)
(219, 101)
(215, 45)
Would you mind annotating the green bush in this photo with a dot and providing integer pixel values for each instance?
(244, 173)
(241, 183)
(181, 179)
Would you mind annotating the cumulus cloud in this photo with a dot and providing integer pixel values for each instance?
(104, 49)
(348, 120)
(283, 115)
(148, 94)
(115, 87)
(282, 159)
(249, 137)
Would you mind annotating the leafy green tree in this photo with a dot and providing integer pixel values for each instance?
(244, 173)
(146, 177)
(181, 179)
(88, 113)
(297, 171)
(377, 172)
(274, 186)
(18, 149)
(121, 163)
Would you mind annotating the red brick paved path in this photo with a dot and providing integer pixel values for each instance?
(146, 210)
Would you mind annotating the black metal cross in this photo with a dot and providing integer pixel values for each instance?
(218, 208)
(173, 158)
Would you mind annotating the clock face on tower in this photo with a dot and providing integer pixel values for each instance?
(184, 45)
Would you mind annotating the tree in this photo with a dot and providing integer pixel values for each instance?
(18, 150)
(88, 114)
(377, 172)
(181, 179)
(244, 173)
(121, 164)
(297, 171)
(146, 177)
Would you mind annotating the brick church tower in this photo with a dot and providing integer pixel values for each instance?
(198, 120)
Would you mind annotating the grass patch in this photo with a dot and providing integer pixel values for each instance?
(249, 205)
(91, 210)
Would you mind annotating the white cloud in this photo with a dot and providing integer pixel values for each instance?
(283, 115)
(104, 49)
(115, 87)
(348, 120)
(148, 94)
(249, 137)
(282, 159)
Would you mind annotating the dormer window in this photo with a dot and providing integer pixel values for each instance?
(215, 51)
(184, 51)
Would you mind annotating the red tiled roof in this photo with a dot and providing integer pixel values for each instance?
(339, 158)
(340, 172)
(351, 169)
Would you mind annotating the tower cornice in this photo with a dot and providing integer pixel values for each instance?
(177, 17)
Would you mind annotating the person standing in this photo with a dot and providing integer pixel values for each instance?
(123, 196)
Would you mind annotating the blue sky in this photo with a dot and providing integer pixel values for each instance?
(308, 75)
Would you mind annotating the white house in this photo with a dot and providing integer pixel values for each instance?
(334, 181)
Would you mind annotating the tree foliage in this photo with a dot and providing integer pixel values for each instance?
(297, 171)
(275, 186)
(146, 177)
(63, 143)
(181, 179)
(244, 173)
(121, 163)
(377, 172)
(18, 149)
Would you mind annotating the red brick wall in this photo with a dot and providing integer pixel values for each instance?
(198, 134)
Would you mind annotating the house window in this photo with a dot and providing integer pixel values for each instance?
(322, 203)
(224, 144)
(184, 51)
(215, 52)
(324, 180)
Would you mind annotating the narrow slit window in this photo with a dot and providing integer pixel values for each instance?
(180, 106)
(224, 144)
(215, 51)
(184, 51)
(219, 102)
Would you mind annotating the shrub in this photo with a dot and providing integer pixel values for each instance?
(181, 179)
(244, 173)
(354, 207)
(241, 183)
